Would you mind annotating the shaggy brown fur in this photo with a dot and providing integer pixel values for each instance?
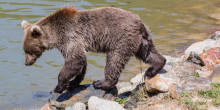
(118, 33)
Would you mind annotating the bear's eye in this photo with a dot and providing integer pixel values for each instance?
(28, 52)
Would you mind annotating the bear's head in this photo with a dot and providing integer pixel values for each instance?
(32, 42)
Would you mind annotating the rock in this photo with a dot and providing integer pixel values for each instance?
(131, 102)
(69, 108)
(175, 91)
(199, 47)
(171, 60)
(126, 89)
(216, 36)
(204, 73)
(138, 79)
(47, 107)
(80, 94)
(160, 83)
(215, 75)
(211, 58)
(122, 84)
(155, 99)
(170, 75)
(190, 84)
(195, 84)
(79, 106)
(184, 69)
(96, 103)
(194, 57)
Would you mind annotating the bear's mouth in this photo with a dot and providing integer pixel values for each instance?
(29, 63)
(30, 59)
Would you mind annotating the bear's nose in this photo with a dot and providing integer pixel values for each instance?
(27, 64)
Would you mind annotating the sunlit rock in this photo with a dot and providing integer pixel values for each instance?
(171, 60)
(162, 81)
(122, 84)
(216, 36)
(138, 79)
(47, 107)
(96, 103)
(211, 58)
(199, 47)
(126, 89)
(77, 106)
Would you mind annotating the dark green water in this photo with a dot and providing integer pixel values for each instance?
(175, 25)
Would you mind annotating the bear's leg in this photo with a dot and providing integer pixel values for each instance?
(75, 82)
(72, 68)
(114, 65)
(149, 54)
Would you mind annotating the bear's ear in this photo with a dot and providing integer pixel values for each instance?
(35, 31)
(24, 24)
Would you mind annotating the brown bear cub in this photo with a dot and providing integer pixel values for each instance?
(118, 33)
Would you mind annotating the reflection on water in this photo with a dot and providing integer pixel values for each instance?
(174, 24)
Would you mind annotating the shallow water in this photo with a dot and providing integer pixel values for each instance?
(174, 24)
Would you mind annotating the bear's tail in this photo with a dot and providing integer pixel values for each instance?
(148, 54)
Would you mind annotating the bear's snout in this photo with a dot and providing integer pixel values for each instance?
(29, 63)
(30, 59)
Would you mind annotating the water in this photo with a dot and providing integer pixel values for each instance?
(175, 25)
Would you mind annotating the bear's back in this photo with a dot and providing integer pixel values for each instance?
(110, 15)
(105, 27)
(100, 29)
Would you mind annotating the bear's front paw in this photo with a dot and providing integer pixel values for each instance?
(104, 85)
(97, 84)
(149, 73)
(59, 89)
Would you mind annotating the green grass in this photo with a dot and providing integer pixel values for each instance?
(209, 98)
(196, 75)
(216, 102)
(216, 85)
(167, 96)
(142, 92)
(186, 98)
(200, 103)
(214, 93)
(121, 100)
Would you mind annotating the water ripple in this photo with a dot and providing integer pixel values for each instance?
(29, 4)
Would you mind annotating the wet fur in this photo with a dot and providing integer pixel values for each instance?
(118, 33)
